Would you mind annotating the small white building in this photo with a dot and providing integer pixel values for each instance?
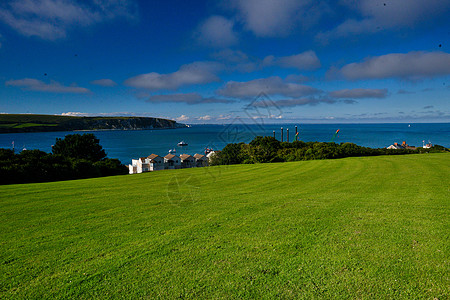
(171, 161)
(200, 160)
(139, 165)
(187, 161)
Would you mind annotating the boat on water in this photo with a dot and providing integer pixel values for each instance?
(182, 144)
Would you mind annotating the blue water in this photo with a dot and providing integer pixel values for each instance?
(125, 145)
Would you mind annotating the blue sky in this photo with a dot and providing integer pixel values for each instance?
(279, 61)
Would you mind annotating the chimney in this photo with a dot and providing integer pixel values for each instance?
(404, 143)
(395, 144)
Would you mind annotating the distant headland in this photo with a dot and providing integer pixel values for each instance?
(16, 123)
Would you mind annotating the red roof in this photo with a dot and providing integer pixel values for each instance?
(169, 156)
(153, 156)
(185, 156)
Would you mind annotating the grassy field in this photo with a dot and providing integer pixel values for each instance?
(364, 228)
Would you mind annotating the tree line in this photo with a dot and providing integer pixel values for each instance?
(268, 149)
(74, 157)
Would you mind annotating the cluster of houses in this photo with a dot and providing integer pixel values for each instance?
(404, 145)
(155, 162)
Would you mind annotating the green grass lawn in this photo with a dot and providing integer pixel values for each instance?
(360, 228)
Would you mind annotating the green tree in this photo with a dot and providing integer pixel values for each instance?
(79, 146)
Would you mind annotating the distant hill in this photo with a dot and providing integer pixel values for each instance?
(15, 123)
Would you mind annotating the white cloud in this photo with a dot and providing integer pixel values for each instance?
(413, 65)
(216, 31)
(376, 15)
(270, 18)
(359, 93)
(104, 82)
(270, 86)
(74, 114)
(182, 118)
(204, 118)
(188, 98)
(224, 117)
(293, 102)
(238, 60)
(51, 19)
(190, 74)
(304, 61)
(40, 86)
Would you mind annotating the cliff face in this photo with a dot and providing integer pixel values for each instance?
(38, 123)
(136, 123)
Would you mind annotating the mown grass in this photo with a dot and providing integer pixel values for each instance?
(369, 227)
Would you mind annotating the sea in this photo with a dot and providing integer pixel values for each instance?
(128, 144)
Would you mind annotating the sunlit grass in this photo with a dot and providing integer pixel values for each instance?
(370, 227)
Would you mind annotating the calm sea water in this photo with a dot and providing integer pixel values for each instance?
(125, 145)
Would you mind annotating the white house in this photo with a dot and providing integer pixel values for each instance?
(171, 161)
(200, 160)
(187, 161)
(139, 165)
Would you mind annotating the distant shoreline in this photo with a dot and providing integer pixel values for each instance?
(10, 123)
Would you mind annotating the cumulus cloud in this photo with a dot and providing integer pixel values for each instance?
(216, 31)
(293, 102)
(204, 118)
(190, 74)
(74, 114)
(240, 61)
(304, 61)
(270, 86)
(51, 19)
(182, 118)
(104, 82)
(359, 93)
(375, 15)
(270, 18)
(188, 98)
(40, 86)
(413, 65)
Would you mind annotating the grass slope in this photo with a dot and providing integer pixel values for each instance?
(14, 123)
(371, 227)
